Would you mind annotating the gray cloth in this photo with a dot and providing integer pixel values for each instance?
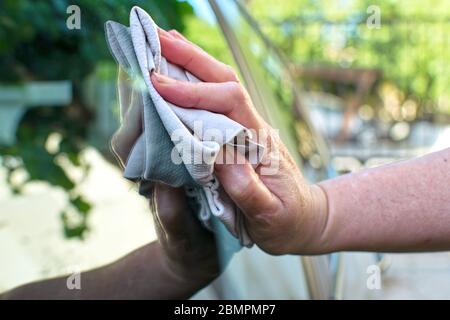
(160, 142)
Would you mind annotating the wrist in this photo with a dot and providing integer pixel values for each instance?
(322, 211)
(182, 279)
(314, 237)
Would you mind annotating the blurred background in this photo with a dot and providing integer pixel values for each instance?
(349, 83)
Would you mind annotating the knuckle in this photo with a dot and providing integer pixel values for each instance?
(243, 190)
(246, 194)
(237, 93)
(169, 201)
(193, 95)
(265, 221)
(169, 215)
(231, 74)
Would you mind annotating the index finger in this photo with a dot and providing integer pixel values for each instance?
(195, 60)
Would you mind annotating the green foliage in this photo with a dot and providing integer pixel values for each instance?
(35, 44)
(412, 47)
(31, 155)
(79, 228)
(208, 37)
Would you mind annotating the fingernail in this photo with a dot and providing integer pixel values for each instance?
(162, 79)
(160, 30)
(165, 34)
(173, 33)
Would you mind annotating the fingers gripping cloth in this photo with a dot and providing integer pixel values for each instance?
(161, 142)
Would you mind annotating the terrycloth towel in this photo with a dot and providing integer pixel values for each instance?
(162, 142)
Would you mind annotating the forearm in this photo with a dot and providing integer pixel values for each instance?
(404, 206)
(142, 274)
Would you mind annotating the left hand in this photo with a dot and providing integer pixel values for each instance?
(188, 249)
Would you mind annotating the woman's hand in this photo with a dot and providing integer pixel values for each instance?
(283, 213)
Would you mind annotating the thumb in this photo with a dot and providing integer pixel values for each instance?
(171, 211)
(245, 188)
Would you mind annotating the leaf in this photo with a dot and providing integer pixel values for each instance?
(73, 231)
(81, 205)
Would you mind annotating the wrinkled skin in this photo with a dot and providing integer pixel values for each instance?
(274, 213)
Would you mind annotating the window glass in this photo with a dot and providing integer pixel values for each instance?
(273, 91)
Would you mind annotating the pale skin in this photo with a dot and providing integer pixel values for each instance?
(399, 207)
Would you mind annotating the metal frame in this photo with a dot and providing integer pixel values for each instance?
(317, 269)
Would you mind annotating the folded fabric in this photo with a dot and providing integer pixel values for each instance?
(161, 142)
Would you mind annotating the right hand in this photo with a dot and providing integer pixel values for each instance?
(283, 213)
